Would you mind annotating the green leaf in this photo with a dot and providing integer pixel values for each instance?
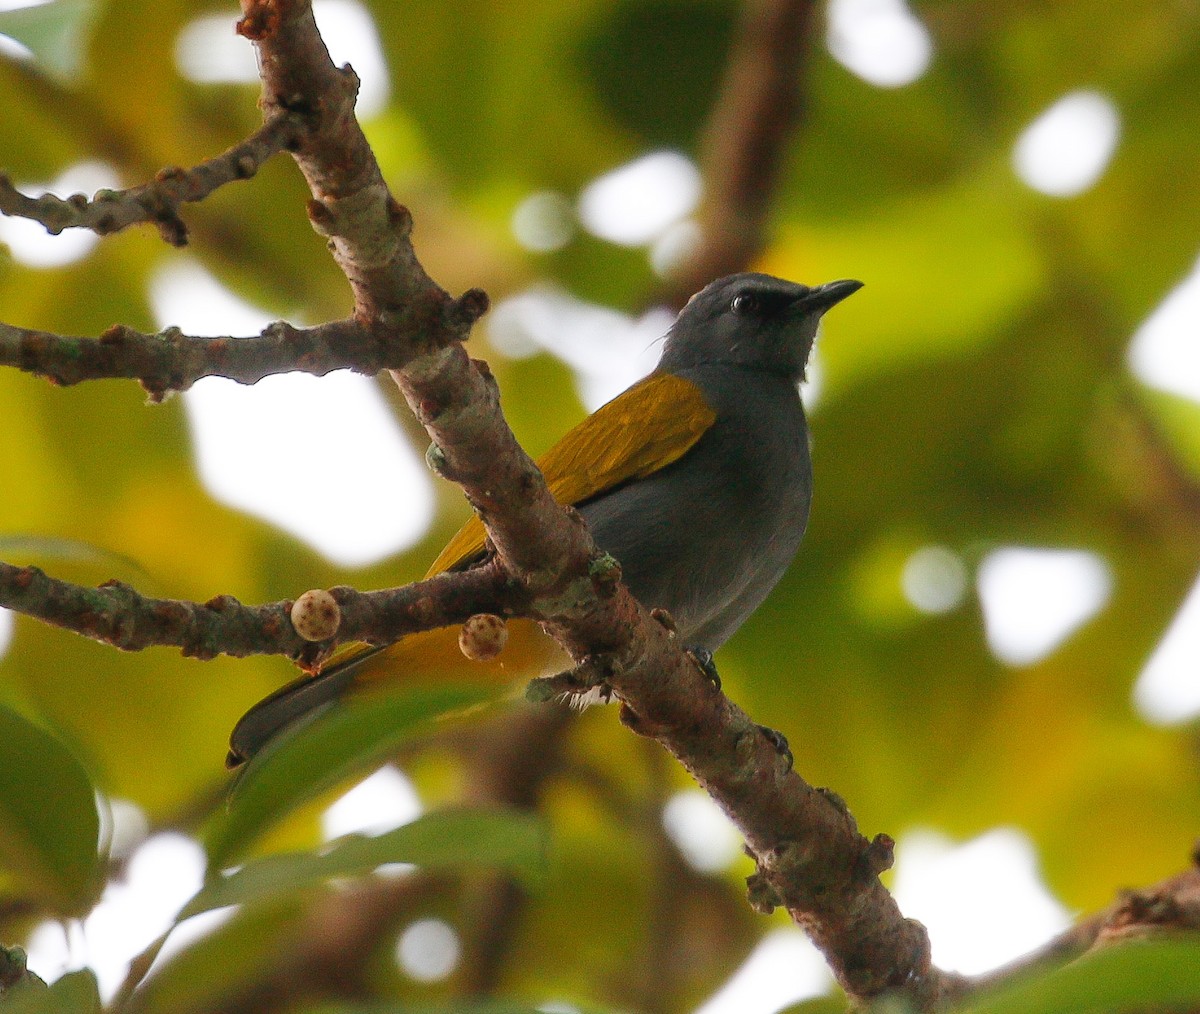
(49, 824)
(449, 838)
(1142, 974)
(74, 993)
(305, 761)
(56, 33)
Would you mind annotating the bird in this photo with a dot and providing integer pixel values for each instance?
(697, 479)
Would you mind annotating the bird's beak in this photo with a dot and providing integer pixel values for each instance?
(830, 294)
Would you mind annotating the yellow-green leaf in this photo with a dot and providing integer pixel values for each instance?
(49, 824)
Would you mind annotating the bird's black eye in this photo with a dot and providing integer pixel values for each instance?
(744, 304)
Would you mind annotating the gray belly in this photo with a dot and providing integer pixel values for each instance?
(708, 537)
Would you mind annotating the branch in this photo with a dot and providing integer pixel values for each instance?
(807, 846)
(748, 132)
(509, 763)
(368, 230)
(111, 211)
(810, 855)
(116, 614)
(171, 361)
(811, 858)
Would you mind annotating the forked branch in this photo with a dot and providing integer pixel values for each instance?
(111, 211)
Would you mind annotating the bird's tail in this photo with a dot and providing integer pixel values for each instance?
(302, 698)
(429, 657)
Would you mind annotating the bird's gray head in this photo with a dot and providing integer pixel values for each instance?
(751, 320)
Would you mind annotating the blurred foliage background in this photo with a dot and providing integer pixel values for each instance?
(976, 395)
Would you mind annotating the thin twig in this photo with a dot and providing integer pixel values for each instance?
(171, 361)
(111, 211)
(118, 615)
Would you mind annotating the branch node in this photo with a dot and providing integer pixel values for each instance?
(424, 609)
(590, 676)
(493, 386)
(222, 604)
(605, 572)
(399, 217)
(763, 898)
(351, 79)
(436, 460)
(323, 220)
(26, 576)
(260, 22)
(877, 857)
(834, 800)
(468, 308)
(664, 619)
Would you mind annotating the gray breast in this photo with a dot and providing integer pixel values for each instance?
(708, 537)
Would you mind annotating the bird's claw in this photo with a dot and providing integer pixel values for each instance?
(704, 662)
(779, 741)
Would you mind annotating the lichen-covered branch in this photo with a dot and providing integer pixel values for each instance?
(171, 361)
(111, 211)
(119, 615)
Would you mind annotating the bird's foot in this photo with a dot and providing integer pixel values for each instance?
(779, 741)
(580, 687)
(704, 662)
